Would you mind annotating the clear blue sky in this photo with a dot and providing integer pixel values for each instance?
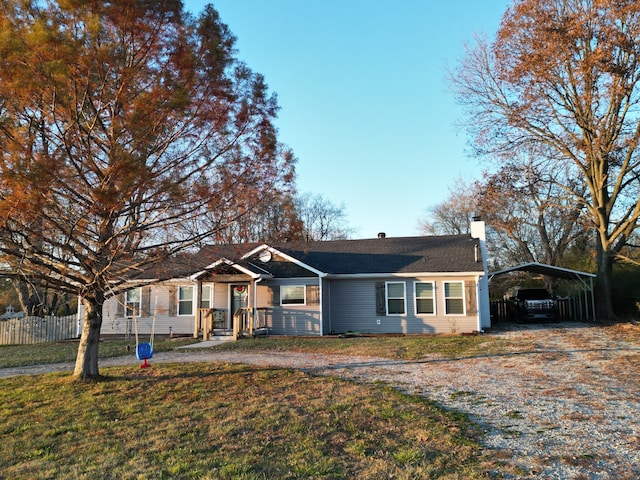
(364, 96)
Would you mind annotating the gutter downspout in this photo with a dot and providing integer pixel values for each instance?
(479, 302)
(321, 278)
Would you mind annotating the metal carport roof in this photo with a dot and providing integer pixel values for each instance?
(542, 269)
(557, 272)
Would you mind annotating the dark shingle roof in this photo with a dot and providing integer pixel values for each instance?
(435, 254)
(448, 253)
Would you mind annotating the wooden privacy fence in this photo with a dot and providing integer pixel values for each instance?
(30, 330)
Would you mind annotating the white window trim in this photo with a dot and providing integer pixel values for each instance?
(464, 300)
(127, 302)
(404, 299)
(193, 300)
(304, 299)
(433, 297)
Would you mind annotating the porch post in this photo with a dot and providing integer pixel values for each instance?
(236, 326)
(254, 310)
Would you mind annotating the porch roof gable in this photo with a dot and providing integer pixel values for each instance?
(247, 268)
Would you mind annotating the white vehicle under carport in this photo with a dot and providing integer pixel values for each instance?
(532, 305)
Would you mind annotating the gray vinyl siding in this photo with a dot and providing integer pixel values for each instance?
(115, 323)
(353, 308)
(345, 304)
(288, 319)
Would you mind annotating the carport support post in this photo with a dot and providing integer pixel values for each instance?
(593, 301)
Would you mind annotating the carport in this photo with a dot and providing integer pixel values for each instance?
(585, 281)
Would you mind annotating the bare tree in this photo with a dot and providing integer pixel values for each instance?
(562, 76)
(38, 299)
(453, 216)
(533, 218)
(321, 219)
(274, 219)
(529, 219)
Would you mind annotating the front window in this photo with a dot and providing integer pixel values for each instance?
(396, 300)
(185, 301)
(425, 298)
(133, 299)
(293, 295)
(454, 298)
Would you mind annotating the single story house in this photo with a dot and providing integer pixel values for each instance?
(407, 285)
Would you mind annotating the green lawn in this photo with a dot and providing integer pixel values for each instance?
(45, 353)
(234, 421)
(224, 421)
(411, 347)
(228, 421)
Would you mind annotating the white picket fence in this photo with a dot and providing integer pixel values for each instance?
(30, 330)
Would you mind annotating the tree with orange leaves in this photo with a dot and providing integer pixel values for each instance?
(562, 76)
(122, 122)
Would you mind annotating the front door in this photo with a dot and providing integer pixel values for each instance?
(239, 299)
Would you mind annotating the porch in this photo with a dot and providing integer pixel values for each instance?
(245, 321)
(227, 300)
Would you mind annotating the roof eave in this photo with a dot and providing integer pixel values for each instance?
(404, 274)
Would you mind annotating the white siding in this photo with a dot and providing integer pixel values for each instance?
(115, 324)
(221, 296)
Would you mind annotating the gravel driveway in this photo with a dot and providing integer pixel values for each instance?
(568, 408)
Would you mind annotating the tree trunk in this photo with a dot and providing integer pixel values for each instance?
(603, 289)
(87, 359)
